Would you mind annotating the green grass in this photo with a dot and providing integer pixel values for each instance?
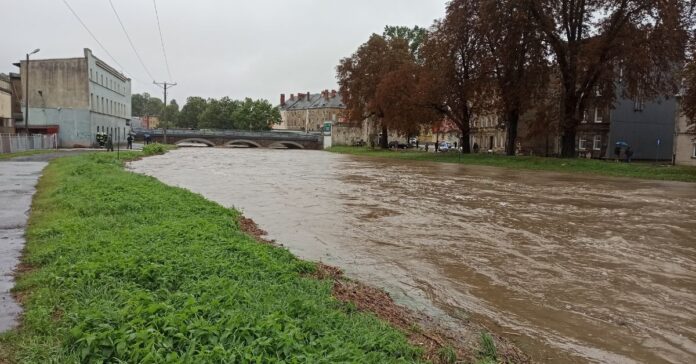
(641, 170)
(488, 353)
(25, 153)
(127, 269)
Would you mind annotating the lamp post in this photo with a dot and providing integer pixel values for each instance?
(26, 92)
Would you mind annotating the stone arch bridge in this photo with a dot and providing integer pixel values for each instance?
(234, 138)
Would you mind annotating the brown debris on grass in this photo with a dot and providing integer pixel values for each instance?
(420, 330)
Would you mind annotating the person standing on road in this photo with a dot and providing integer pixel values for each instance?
(109, 144)
(130, 141)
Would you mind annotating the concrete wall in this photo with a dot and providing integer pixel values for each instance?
(347, 135)
(5, 97)
(56, 83)
(642, 128)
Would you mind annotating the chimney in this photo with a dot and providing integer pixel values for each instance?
(300, 96)
(292, 97)
(333, 94)
(308, 96)
(282, 99)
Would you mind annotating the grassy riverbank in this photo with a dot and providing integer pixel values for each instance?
(121, 268)
(642, 170)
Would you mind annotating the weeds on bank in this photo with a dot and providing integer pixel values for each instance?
(488, 353)
(126, 269)
(643, 170)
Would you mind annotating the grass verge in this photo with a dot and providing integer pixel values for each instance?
(641, 170)
(121, 268)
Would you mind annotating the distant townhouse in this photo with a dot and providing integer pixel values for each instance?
(684, 140)
(6, 120)
(308, 112)
(77, 98)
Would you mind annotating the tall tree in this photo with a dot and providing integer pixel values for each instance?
(517, 60)
(359, 77)
(458, 83)
(190, 114)
(170, 115)
(595, 43)
(255, 115)
(413, 36)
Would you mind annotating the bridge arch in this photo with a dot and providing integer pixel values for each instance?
(196, 140)
(286, 145)
(243, 142)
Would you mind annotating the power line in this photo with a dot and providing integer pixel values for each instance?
(130, 41)
(92, 34)
(159, 27)
(100, 44)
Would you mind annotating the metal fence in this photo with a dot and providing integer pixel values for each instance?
(12, 143)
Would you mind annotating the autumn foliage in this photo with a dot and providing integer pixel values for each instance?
(498, 57)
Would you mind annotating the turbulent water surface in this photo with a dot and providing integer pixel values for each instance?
(573, 268)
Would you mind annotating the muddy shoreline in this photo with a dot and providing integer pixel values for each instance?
(422, 330)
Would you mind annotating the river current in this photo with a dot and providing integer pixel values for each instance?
(573, 268)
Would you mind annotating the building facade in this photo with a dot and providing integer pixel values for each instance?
(6, 120)
(684, 140)
(307, 112)
(77, 97)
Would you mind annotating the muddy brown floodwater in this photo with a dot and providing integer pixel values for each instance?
(572, 268)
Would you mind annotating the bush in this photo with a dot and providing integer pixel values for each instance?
(152, 149)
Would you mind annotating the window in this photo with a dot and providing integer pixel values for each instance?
(597, 116)
(638, 105)
(582, 144)
(102, 80)
(102, 105)
(597, 142)
(91, 101)
(584, 117)
(90, 74)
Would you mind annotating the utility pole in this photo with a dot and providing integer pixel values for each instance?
(26, 93)
(165, 85)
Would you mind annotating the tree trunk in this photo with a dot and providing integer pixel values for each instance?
(466, 143)
(513, 118)
(569, 124)
(384, 140)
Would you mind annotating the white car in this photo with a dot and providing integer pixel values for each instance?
(445, 146)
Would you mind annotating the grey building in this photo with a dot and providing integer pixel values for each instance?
(76, 97)
(648, 127)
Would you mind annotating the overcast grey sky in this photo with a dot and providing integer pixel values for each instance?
(255, 48)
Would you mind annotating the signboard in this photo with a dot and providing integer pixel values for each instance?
(327, 128)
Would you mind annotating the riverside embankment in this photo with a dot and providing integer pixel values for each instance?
(572, 267)
(121, 268)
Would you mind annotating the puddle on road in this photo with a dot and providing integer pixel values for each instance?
(573, 268)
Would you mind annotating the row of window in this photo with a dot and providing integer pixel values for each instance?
(597, 116)
(583, 143)
(106, 106)
(111, 130)
(108, 82)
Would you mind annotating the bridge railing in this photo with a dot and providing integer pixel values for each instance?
(238, 134)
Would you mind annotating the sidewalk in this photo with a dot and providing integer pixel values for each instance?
(17, 182)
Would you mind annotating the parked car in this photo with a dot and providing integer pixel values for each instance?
(445, 146)
(396, 145)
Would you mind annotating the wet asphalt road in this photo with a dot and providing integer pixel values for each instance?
(18, 178)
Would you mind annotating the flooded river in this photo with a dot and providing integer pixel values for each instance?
(572, 268)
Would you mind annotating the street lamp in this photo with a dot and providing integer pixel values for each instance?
(26, 98)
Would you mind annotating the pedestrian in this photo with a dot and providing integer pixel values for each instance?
(147, 138)
(109, 144)
(476, 148)
(629, 154)
(617, 152)
(416, 143)
(427, 146)
(130, 141)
